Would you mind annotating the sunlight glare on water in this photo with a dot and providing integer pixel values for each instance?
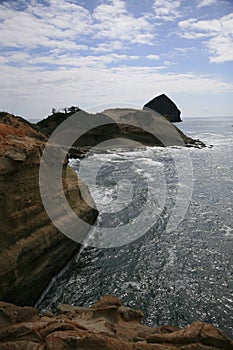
(176, 277)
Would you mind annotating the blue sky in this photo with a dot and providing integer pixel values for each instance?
(57, 53)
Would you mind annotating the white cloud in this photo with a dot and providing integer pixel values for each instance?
(220, 34)
(64, 54)
(153, 57)
(65, 25)
(91, 61)
(41, 26)
(203, 3)
(16, 57)
(106, 47)
(116, 23)
(221, 48)
(66, 59)
(183, 50)
(205, 27)
(167, 10)
(94, 83)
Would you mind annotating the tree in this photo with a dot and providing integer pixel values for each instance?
(74, 109)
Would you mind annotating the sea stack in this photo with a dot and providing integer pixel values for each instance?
(164, 106)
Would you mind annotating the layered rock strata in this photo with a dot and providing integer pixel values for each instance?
(107, 325)
(32, 250)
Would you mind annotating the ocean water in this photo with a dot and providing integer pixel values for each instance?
(172, 211)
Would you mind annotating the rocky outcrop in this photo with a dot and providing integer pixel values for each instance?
(49, 124)
(143, 126)
(149, 128)
(165, 106)
(92, 128)
(32, 250)
(107, 325)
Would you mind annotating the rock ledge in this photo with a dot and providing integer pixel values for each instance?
(107, 325)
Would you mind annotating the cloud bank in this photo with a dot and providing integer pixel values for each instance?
(60, 52)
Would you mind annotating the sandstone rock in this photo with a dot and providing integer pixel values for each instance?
(107, 301)
(10, 314)
(72, 340)
(197, 332)
(32, 250)
(85, 329)
(21, 345)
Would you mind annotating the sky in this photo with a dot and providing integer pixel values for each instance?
(97, 54)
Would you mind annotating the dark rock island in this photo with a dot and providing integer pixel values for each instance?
(166, 107)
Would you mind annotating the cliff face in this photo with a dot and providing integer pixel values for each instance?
(143, 126)
(32, 250)
(107, 325)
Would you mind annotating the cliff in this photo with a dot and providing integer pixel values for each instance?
(32, 250)
(143, 126)
(149, 128)
(107, 325)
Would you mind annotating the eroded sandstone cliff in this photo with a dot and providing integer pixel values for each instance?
(107, 325)
(32, 249)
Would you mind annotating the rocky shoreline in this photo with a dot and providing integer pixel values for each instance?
(106, 325)
(32, 251)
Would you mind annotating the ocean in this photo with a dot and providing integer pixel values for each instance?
(164, 237)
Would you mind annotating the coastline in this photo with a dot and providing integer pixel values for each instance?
(28, 153)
